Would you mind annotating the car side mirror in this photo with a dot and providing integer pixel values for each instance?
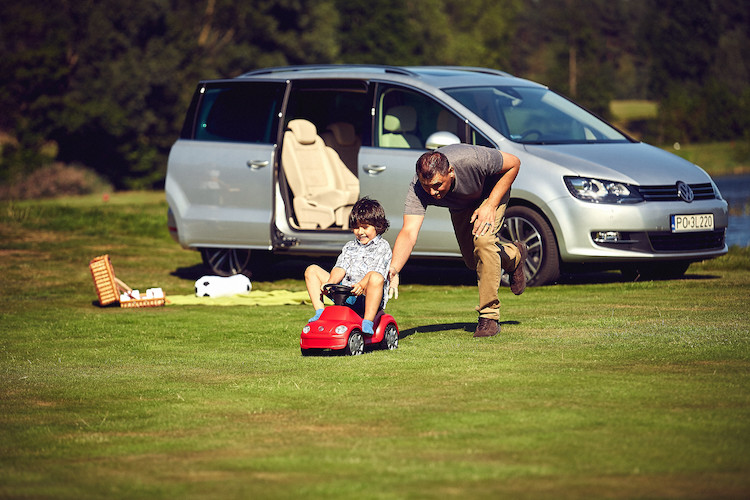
(440, 139)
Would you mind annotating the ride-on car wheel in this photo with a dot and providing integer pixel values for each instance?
(542, 262)
(390, 337)
(226, 261)
(356, 344)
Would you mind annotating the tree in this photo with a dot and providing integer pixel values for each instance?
(574, 47)
(380, 35)
(679, 39)
(109, 81)
(106, 83)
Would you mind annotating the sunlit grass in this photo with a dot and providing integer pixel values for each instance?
(717, 158)
(599, 389)
(626, 110)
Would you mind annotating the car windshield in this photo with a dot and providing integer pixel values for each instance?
(531, 115)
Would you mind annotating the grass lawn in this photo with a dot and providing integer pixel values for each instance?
(596, 388)
(633, 109)
(717, 158)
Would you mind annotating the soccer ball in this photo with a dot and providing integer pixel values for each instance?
(222, 286)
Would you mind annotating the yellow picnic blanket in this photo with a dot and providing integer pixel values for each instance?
(253, 298)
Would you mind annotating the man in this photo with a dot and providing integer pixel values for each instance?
(473, 182)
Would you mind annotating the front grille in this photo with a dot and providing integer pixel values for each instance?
(669, 192)
(671, 242)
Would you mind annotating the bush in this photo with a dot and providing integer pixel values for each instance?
(55, 180)
(710, 112)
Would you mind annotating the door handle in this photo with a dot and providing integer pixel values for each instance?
(374, 169)
(256, 164)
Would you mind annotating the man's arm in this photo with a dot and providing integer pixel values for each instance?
(484, 216)
(402, 249)
(405, 242)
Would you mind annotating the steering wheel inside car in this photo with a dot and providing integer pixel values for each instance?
(525, 135)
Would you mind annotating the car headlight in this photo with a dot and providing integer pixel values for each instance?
(341, 329)
(602, 191)
(306, 329)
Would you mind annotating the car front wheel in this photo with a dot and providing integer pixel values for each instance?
(523, 224)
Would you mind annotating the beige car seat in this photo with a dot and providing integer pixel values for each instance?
(342, 137)
(324, 190)
(399, 123)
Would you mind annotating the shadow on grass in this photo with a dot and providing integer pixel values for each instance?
(416, 272)
(443, 327)
(191, 273)
(617, 277)
(293, 267)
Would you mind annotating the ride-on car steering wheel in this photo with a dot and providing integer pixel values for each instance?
(337, 292)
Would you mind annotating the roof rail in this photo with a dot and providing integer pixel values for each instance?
(321, 67)
(473, 69)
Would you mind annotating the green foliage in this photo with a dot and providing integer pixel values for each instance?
(708, 112)
(600, 389)
(679, 37)
(55, 180)
(108, 82)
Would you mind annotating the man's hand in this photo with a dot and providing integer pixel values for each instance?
(393, 285)
(483, 219)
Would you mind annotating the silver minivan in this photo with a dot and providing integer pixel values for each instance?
(271, 161)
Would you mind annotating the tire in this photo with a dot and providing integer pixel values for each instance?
(390, 337)
(648, 271)
(226, 261)
(355, 345)
(542, 265)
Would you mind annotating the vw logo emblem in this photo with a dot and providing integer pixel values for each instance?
(684, 192)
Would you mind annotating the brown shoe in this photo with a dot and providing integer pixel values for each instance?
(487, 327)
(517, 277)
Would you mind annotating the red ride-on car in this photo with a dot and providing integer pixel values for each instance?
(340, 328)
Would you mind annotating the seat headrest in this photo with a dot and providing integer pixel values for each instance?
(400, 119)
(303, 130)
(343, 133)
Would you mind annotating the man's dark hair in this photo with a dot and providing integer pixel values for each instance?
(368, 211)
(431, 163)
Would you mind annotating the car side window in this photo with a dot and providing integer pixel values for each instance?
(478, 139)
(407, 118)
(239, 112)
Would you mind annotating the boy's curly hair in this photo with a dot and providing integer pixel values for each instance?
(368, 211)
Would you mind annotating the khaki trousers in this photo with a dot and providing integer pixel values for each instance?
(487, 255)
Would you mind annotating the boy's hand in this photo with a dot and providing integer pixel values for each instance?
(358, 288)
(393, 287)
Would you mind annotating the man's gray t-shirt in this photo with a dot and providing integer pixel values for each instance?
(477, 170)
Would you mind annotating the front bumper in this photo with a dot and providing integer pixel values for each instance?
(644, 231)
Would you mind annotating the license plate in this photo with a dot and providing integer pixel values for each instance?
(692, 223)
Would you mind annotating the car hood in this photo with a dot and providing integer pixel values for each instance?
(633, 163)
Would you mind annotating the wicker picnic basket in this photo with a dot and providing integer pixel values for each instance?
(109, 287)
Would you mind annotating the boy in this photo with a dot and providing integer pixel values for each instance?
(363, 264)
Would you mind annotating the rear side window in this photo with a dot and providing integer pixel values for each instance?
(238, 112)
